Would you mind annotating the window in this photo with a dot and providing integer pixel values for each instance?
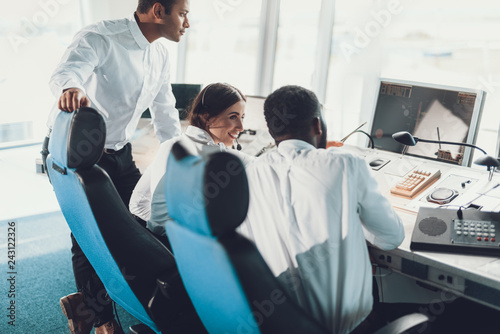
(296, 45)
(223, 43)
(441, 41)
(33, 37)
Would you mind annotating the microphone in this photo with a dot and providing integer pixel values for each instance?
(406, 138)
(360, 131)
(238, 146)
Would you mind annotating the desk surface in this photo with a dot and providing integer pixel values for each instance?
(471, 276)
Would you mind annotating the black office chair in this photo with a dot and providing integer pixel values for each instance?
(138, 272)
(230, 284)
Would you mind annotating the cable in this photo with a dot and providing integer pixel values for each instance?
(369, 137)
(361, 131)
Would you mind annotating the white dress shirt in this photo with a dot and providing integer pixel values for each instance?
(122, 74)
(307, 209)
(150, 206)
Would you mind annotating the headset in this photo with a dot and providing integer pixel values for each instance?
(203, 96)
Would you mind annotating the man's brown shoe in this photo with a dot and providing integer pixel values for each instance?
(79, 319)
(111, 327)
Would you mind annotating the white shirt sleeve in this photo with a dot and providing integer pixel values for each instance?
(159, 164)
(142, 196)
(165, 117)
(376, 212)
(246, 159)
(140, 201)
(77, 64)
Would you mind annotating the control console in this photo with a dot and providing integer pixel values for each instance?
(452, 231)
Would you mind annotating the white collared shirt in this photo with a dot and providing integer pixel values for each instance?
(150, 205)
(307, 211)
(122, 74)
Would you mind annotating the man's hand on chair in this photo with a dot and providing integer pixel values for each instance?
(72, 99)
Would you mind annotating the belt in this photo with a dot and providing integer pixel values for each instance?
(111, 151)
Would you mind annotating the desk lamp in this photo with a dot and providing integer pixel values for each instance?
(407, 138)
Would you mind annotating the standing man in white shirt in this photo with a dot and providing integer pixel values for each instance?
(311, 210)
(121, 68)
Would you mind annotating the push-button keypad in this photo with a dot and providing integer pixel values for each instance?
(474, 232)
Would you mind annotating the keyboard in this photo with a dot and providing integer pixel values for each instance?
(415, 181)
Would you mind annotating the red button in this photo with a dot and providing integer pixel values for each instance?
(486, 239)
(492, 239)
(478, 238)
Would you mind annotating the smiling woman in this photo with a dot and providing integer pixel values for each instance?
(227, 126)
(219, 110)
(215, 119)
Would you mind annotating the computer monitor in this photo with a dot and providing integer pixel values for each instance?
(254, 113)
(184, 95)
(255, 138)
(431, 112)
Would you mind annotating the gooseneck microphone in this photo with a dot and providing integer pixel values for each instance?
(238, 146)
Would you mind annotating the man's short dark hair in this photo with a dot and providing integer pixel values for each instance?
(289, 110)
(144, 5)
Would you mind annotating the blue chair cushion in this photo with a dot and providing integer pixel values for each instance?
(211, 282)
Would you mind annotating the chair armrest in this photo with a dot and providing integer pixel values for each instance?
(170, 307)
(170, 284)
(403, 324)
(140, 329)
(169, 301)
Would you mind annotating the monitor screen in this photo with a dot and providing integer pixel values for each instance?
(254, 113)
(428, 112)
(184, 96)
(255, 138)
